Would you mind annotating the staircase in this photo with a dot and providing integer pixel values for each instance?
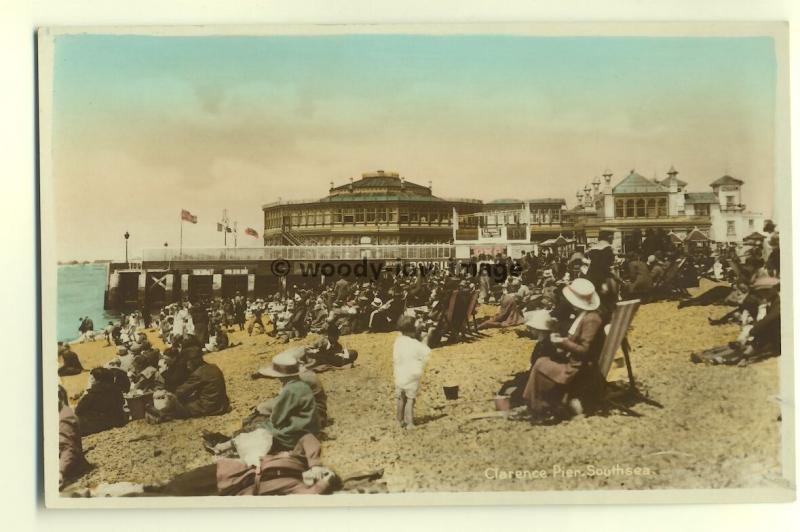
(292, 238)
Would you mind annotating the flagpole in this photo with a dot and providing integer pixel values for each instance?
(180, 253)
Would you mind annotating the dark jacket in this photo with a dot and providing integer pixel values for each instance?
(203, 393)
(101, 408)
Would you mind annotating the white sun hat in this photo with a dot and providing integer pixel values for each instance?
(581, 294)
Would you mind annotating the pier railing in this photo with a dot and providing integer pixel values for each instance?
(269, 253)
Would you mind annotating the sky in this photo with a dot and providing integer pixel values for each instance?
(145, 126)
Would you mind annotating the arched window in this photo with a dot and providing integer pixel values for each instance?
(640, 209)
(620, 209)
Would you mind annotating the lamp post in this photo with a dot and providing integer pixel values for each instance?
(127, 235)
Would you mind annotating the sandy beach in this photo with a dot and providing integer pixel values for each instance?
(719, 426)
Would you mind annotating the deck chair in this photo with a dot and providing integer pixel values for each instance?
(472, 310)
(616, 340)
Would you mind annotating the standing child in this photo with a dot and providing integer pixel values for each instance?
(410, 356)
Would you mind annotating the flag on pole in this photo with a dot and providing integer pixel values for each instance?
(228, 230)
(187, 216)
(252, 232)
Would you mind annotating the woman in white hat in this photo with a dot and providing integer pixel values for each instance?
(552, 377)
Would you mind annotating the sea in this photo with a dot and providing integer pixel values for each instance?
(81, 289)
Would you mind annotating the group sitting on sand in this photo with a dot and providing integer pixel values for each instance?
(567, 303)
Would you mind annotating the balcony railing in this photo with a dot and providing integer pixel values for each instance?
(330, 252)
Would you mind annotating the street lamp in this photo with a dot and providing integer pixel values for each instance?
(127, 235)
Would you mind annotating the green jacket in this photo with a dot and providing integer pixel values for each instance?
(293, 415)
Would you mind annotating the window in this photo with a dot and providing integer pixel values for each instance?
(348, 216)
(662, 208)
(701, 209)
(731, 228)
(337, 216)
(640, 208)
(392, 215)
(371, 215)
(380, 214)
(629, 212)
(414, 216)
(729, 201)
(619, 211)
(403, 216)
(651, 208)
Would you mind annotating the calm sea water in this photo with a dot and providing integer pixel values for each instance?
(81, 288)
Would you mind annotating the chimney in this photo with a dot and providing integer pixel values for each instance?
(331, 189)
(430, 185)
(402, 183)
(351, 184)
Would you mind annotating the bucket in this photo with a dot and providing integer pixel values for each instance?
(451, 392)
(138, 403)
(502, 403)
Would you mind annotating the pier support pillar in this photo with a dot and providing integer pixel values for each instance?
(184, 286)
(251, 284)
(112, 301)
(169, 296)
(141, 289)
(216, 285)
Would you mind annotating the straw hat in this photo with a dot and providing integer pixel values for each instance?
(377, 302)
(539, 320)
(283, 365)
(581, 294)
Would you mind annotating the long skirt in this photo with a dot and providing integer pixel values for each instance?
(547, 383)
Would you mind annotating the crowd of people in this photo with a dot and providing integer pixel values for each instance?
(566, 302)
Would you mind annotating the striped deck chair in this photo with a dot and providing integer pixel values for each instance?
(472, 309)
(616, 338)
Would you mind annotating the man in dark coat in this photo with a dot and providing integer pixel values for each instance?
(102, 407)
(203, 393)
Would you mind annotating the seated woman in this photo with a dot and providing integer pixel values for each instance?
(203, 394)
(102, 406)
(540, 324)
(553, 375)
(327, 351)
(509, 314)
(71, 364)
(71, 461)
(294, 413)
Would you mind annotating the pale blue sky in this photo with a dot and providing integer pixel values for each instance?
(213, 122)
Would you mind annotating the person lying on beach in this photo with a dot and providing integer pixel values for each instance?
(296, 471)
(102, 406)
(71, 364)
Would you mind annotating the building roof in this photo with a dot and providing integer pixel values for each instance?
(638, 184)
(726, 180)
(676, 239)
(666, 181)
(381, 197)
(533, 201)
(701, 197)
(696, 236)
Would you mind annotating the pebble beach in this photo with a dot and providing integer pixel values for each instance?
(717, 427)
